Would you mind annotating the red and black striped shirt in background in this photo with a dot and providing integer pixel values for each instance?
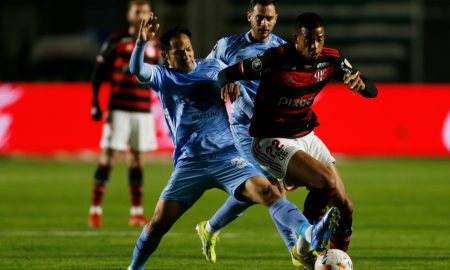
(288, 86)
(127, 94)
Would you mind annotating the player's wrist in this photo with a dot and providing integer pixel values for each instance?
(140, 43)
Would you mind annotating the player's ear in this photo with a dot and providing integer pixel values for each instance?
(249, 16)
(165, 56)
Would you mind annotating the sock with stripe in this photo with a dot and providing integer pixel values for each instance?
(289, 216)
(135, 180)
(101, 178)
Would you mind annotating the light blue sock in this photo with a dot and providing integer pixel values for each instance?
(230, 210)
(145, 246)
(233, 208)
(287, 214)
(289, 237)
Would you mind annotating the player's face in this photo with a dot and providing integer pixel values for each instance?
(137, 13)
(262, 20)
(309, 42)
(181, 54)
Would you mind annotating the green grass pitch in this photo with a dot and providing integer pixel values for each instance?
(401, 219)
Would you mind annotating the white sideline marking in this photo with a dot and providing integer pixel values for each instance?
(106, 233)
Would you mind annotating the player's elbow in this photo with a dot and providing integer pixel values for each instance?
(133, 69)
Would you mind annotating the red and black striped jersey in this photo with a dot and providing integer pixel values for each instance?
(289, 84)
(127, 93)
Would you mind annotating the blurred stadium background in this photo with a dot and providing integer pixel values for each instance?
(401, 187)
(48, 48)
(393, 41)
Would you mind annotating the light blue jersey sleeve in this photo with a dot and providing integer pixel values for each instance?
(219, 51)
(149, 75)
(233, 49)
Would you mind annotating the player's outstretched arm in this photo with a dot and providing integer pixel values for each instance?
(147, 31)
(148, 28)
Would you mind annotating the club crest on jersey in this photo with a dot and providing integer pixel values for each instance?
(319, 75)
(256, 64)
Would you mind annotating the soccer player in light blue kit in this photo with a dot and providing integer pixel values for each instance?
(262, 16)
(205, 156)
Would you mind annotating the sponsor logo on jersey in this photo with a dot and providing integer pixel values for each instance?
(204, 115)
(296, 102)
(323, 64)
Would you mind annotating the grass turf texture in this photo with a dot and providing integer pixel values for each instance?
(401, 220)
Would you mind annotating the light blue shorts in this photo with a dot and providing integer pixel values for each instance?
(243, 143)
(192, 177)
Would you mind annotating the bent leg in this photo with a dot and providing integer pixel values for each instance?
(304, 170)
(340, 239)
(229, 211)
(166, 214)
(282, 211)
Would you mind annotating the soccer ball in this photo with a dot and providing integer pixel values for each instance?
(333, 259)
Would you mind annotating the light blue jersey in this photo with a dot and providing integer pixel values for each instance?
(205, 155)
(231, 50)
(195, 114)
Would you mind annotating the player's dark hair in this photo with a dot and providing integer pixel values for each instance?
(308, 20)
(253, 3)
(139, 2)
(164, 40)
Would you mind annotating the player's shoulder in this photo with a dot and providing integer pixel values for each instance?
(211, 63)
(276, 40)
(233, 38)
(330, 52)
(229, 43)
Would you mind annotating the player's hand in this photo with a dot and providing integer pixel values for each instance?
(230, 91)
(148, 28)
(96, 112)
(354, 82)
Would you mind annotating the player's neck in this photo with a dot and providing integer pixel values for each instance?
(255, 40)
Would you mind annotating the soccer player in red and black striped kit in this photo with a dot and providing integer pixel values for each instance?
(284, 143)
(129, 124)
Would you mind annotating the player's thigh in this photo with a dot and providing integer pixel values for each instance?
(187, 183)
(142, 133)
(305, 170)
(259, 190)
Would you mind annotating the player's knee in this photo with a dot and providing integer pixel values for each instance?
(270, 194)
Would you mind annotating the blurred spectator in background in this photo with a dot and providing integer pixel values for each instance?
(129, 122)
